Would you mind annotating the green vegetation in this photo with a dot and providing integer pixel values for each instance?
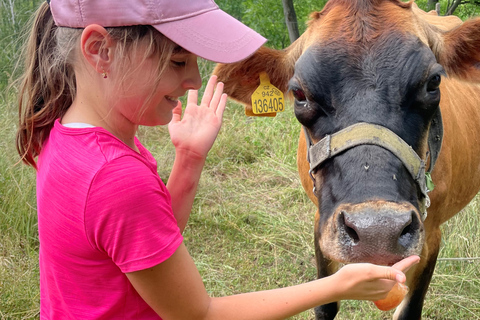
(252, 224)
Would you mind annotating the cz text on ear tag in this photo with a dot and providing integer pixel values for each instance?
(267, 99)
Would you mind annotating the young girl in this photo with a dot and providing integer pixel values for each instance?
(110, 231)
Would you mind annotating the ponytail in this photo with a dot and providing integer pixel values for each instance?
(47, 87)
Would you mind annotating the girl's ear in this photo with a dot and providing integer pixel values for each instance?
(97, 47)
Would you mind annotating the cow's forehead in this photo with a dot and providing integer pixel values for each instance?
(391, 57)
(364, 21)
(360, 83)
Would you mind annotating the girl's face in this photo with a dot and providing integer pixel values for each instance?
(143, 100)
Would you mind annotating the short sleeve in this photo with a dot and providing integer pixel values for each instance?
(128, 215)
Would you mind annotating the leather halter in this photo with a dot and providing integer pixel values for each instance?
(371, 134)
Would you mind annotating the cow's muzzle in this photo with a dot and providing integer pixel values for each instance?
(380, 232)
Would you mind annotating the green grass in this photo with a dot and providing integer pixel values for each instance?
(19, 291)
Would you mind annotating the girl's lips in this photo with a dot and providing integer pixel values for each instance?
(172, 100)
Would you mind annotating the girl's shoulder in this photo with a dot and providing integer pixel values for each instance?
(94, 144)
(81, 154)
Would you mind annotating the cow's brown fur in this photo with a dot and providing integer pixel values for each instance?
(456, 46)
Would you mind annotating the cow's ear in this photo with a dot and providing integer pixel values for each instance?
(242, 78)
(444, 23)
(460, 52)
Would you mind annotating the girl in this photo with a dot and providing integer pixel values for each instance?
(110, 231)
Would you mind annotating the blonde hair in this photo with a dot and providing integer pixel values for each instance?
(47, 86)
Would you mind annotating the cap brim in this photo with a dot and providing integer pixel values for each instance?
(213, 35)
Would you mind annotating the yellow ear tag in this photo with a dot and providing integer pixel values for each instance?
(267, 99)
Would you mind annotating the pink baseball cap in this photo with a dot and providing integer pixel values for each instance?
(198, 26)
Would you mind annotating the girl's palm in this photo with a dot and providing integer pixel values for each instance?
(196, 132)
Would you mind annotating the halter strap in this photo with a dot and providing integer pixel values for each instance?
(371, 134)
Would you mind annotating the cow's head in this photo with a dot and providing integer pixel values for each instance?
(375, 62)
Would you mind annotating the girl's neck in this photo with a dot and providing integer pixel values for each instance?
(97, 102)
(117, 125)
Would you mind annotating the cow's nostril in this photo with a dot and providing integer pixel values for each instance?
(406, 236)
(408, 232)
(349, 228)
(353, 234)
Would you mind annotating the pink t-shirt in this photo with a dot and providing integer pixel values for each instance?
(103, 211)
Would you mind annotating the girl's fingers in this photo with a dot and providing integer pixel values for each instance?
(192, 97)
(207, 96)
(405, 264)
(394, 274)
(216, 97)
(221, 106)
(177, 112)
(397, 271)
(213, 96)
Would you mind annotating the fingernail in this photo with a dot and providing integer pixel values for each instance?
(400, 278)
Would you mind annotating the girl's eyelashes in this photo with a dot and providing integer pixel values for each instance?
(179, 63)
(181, 59)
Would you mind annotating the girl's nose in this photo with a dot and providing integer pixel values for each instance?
(193, 80)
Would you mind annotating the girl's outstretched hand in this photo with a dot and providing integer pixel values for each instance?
(196, 132)
(364, 281)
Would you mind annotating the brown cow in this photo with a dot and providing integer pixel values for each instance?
(366, 78)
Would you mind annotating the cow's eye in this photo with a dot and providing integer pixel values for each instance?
(299, 95)
(434, 83)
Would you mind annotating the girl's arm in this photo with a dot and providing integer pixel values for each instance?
(174, 289)
(193, 136)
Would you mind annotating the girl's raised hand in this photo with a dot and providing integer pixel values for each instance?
(196, 132)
